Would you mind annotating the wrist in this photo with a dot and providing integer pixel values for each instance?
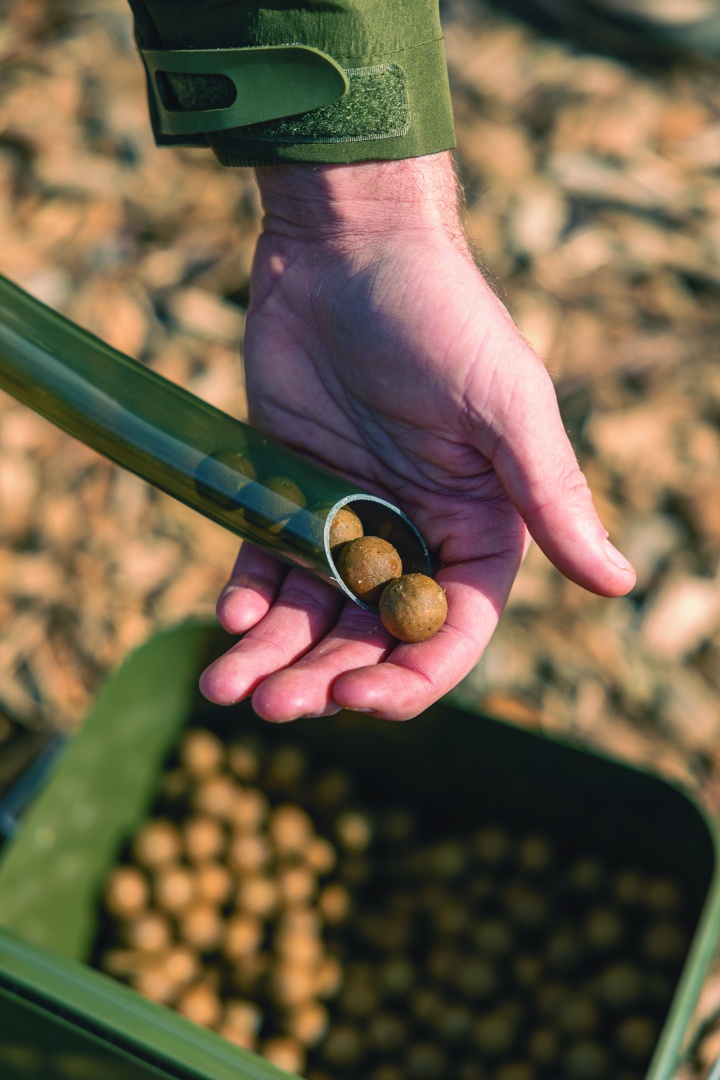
(369, 198)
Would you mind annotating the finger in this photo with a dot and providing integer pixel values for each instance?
(306, 688)
(540, 472)
(302, 614)
(416, 675)
(252, 587)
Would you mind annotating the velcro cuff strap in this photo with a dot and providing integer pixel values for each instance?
(241, 86)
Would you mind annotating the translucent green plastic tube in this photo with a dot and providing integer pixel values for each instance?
(229, 472)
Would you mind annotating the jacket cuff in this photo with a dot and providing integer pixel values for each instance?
(395, 101)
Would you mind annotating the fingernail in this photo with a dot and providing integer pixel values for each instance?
(325, 712)
(370, 712)
(618, 559)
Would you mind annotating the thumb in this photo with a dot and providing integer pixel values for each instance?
(537, 465)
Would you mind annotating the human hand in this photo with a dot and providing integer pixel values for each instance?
(374, 347)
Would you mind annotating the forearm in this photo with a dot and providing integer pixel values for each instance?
(367, 199)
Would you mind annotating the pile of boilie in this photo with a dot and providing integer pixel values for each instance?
(344, 937)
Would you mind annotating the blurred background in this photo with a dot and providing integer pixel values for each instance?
(590, 154)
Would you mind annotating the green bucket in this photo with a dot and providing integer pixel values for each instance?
(61, 1019)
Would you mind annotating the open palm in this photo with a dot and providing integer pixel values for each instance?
(395, 365)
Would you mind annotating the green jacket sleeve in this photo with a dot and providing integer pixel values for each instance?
(341, 80)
